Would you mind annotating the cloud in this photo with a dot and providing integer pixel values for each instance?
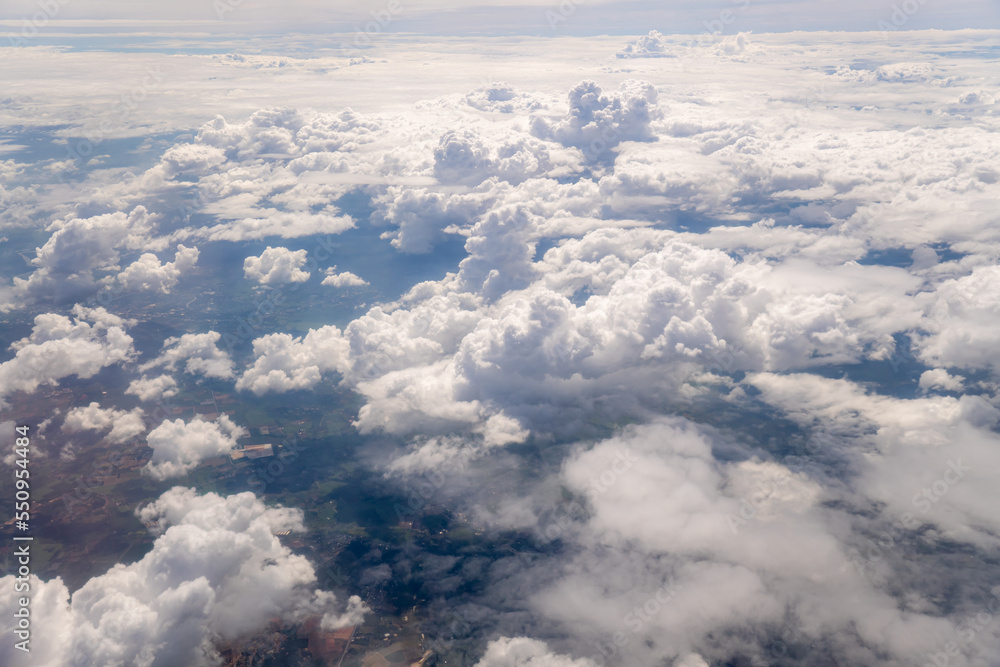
(284, 363)
(499, 253)
(465, 157)
(597, 122)
(153, 388)
(65, 265)
(963, 316)
(276, 265)
(266, 223)
(806, 266)
(216, 573)
(147, 273)
(262, 177)
(125, 425)
(195, 354)
(60, 346)
(939, 378)
(658, 311)
(179, 447)
(423, 217)
(191, 160)
(524, 652)
(653, 45)
(501, 97)
(900, 449)
(343, 279)
(669, 555)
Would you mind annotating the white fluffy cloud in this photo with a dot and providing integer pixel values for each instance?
(61, 346)
(501, 97)
(659, 311)
(597, 122)
(65, 265)
(285, 363)
(939, 378)
(343, 279)
(276, 265)
(153, 388)
(963, 323)
(216, 573)
(179, 447)
(468, 158)
(147, 273)
(195, 354)
(653, 45)
(125, 425)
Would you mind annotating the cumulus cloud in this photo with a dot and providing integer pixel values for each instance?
(61, 346)
(265, 176)
(192, 353)
(499, 253)
(653, 45)
(597, 122)
(939, 378)
(343, 279)
(125, 425)
(276, 265)
(285, 363)
(216, 573)
(423, 217)
(65, 265)
(501, 97)
(508, 335)
(179, 447)
(963, 316)
(147, 273)
(734, 46)
(153, 388)
(465, 157)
